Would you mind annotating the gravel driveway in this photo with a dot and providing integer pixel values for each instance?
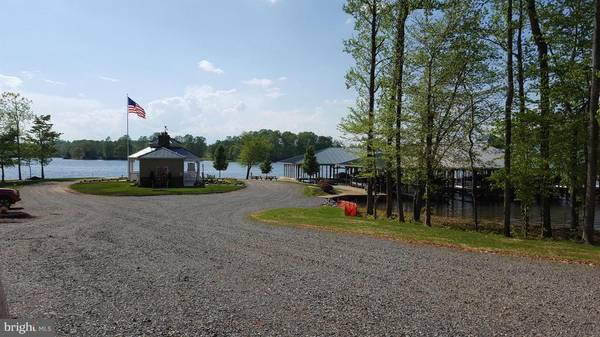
(196, 266)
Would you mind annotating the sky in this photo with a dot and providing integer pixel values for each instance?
(207, 68)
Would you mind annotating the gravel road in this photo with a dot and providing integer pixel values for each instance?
(196, 266)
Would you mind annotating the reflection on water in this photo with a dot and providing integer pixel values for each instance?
(494, 211)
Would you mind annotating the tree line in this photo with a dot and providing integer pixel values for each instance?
(25, 138)
(440, 79)
(281, 145)
(265, 146)
(109, 149)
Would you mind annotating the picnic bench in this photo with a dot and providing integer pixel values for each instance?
(270, 178)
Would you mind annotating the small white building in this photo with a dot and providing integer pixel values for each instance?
(165, 163)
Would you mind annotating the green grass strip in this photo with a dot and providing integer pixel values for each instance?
(330, 218)
(127, 189)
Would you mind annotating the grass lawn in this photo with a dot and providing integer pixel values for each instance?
(330, 218)
(315, 191)
(19, 183)
(126, 189)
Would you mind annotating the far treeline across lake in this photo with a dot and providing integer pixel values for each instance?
(283, 144)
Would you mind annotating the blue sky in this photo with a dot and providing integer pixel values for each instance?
(210, 68)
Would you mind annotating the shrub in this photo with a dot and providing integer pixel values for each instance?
(326, 187)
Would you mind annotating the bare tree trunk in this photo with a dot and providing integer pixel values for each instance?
(248, 172)
(2, 168)
(508, 118)
(389, 195)
(472, 164)
(19, 148)
(399, 72)
(542, 48)
(4, 314)
(520, 68)
(573, 164)
(418, 201)
(371, 112)
(429, 148)
(42, 166)
(525, 211)
(590, 196)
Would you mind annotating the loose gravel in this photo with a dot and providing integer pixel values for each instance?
(197, 266)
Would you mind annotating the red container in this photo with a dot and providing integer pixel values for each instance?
(350, 208)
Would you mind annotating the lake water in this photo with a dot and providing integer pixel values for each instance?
(71, 168)
(493, 211)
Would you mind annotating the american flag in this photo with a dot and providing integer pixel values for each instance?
(134, 108)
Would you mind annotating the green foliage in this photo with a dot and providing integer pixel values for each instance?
(254, 150)
(43, 139)
(266, 167)
(283, 144)
(310, 164)
(15, 111)
(196, 145)
(220, 159)
(7, 148)
(109, 149)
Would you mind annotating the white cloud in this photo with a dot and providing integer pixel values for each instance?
(282, 78)
(259, 82)
(108, 79)
(274, 92)
(199, 110)
(273, 2)
(30, 74)
(215, 114)
(208, 67)
(12, 82)
(54, 82)
(80, 118)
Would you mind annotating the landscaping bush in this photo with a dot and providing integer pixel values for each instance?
(326, 187)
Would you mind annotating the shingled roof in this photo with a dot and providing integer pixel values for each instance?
(166, 148)
(328, 156)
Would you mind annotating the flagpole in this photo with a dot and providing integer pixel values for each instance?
(127, 113)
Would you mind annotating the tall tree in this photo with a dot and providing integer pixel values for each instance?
(441, 50)
(7, 149)
(220, 160)
(569, 31)
(44, 140)
(17, 110)
(520, 67)
(254, 150)
(310, 165)
(508, 117)
(29, 154)
(266, 167)
(592, 171)
(402, 11)
(367, 49)
(544, 107)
